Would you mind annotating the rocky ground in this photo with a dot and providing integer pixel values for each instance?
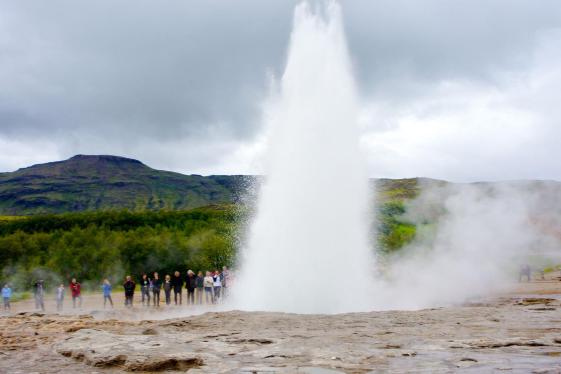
(516, 333)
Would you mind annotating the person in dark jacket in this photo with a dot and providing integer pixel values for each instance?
(177, 284)
(39, 293)
(200, 287)
(145, 289)
(167, 289)
(156, 287)
(191, 284)
(129, 286)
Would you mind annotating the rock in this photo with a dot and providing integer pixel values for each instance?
(149, 332)
(497, 343)
(543, 309)
(552, 370)
(535, 300)
(391, 346)
(129, 352)
(466, 362)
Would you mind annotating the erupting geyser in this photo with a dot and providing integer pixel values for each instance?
(308, 249)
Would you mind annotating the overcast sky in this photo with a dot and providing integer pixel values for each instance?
(457, 90)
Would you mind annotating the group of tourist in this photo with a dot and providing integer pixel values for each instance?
(213, 285)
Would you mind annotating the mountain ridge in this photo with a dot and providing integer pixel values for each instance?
(101, 182)
(108, 182)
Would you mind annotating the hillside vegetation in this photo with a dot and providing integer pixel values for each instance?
(104, 216)
(89, 183)
(93, 245)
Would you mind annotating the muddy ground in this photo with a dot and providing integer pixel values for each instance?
(518, 332)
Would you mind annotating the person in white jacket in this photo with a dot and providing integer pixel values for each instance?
(217, 284)
(209, 284)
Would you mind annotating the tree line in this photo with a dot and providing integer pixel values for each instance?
(91, 246)
(110, 244)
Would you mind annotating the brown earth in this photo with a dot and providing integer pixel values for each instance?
(517, 333)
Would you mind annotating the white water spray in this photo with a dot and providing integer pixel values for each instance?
(308, 249)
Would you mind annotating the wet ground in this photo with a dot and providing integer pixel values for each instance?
(514, 333)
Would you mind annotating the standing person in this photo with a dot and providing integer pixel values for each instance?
(106, 293)
(145, 289)
(208, 284)
(225, 280)
(6, 296)
(191, 284)
(76, 290)
(177, 284)
(217, 283)
(525, 271)
(156, 287)
(39, 293)
(200, 287)
(167, 289)
(129, 286)
(59, 297)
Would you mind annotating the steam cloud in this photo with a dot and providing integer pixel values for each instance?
(478, 236)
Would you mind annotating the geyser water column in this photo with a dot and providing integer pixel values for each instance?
(308, 248)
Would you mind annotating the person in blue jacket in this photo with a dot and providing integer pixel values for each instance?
(6, 295)
(107, 293)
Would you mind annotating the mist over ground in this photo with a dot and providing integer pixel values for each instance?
(471, 241)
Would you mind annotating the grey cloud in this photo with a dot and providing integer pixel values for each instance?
(116, 75)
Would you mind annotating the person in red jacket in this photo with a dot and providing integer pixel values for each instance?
(76, 290)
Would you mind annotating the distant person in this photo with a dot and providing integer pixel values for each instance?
(59, 297)
(200, 287)
(208, 284)
(525, 271)
(7, 296)
(76, 291)
(129, 286)
(217, 285)
(225, 280)
(190, 285)
(145, 289)
(177, 284)
(156, 287)
(39, 294)
(106, 287)
(167, 289)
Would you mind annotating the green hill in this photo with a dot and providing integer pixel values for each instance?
(93, 183)
(88, 183)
